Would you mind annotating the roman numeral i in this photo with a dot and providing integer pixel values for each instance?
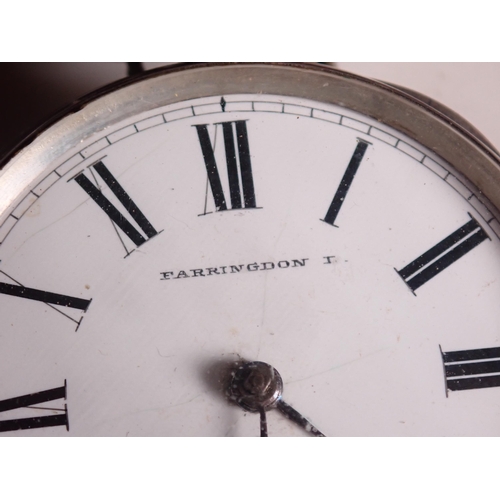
(346, 182)
(239, 166)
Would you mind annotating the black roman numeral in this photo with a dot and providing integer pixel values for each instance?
(346, 182)
(42, 296)
(447, 251)
(49, 298)
(29, 401)
(112, 212)
(472, 369)
(238, 165)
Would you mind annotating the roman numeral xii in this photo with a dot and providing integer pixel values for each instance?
(239, 167)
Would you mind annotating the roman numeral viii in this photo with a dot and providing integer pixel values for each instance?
(29, 401)
(111, 211)
(239, 166)
(443, 255)
(473, 369)
(346, 182)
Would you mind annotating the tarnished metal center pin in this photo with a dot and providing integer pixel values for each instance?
(256, 386)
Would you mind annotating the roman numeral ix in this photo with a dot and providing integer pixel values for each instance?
(29, 401)
(346, 182)
(238, 165)
(111, 211)
(443, 255)
(472, 369)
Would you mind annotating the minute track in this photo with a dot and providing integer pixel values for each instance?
(261, 106)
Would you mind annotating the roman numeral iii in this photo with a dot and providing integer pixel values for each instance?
(443, 255)
(111, 211)
(239, 166)
(29, 401)
(472, 369)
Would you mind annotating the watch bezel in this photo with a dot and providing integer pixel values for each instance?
(405, 112)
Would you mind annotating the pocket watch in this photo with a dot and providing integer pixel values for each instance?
(250, 249)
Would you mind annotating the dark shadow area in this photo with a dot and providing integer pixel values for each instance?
(217, 374)
(31, 93)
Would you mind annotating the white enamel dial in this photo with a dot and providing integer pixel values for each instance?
(248, 227)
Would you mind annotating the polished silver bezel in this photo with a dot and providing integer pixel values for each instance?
(470, 156)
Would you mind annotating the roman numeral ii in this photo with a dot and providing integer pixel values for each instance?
(237, 152)
(442, 255)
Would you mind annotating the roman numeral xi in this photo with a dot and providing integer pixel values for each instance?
(113, 213)
(443, 255)
(31, 401)
(239, 166)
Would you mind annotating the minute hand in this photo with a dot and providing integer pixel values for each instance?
(296, 417)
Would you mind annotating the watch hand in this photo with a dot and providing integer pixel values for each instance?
(296, 417)
(258, 387)
(263, 423)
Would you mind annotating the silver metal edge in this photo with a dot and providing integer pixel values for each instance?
(400, 110)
